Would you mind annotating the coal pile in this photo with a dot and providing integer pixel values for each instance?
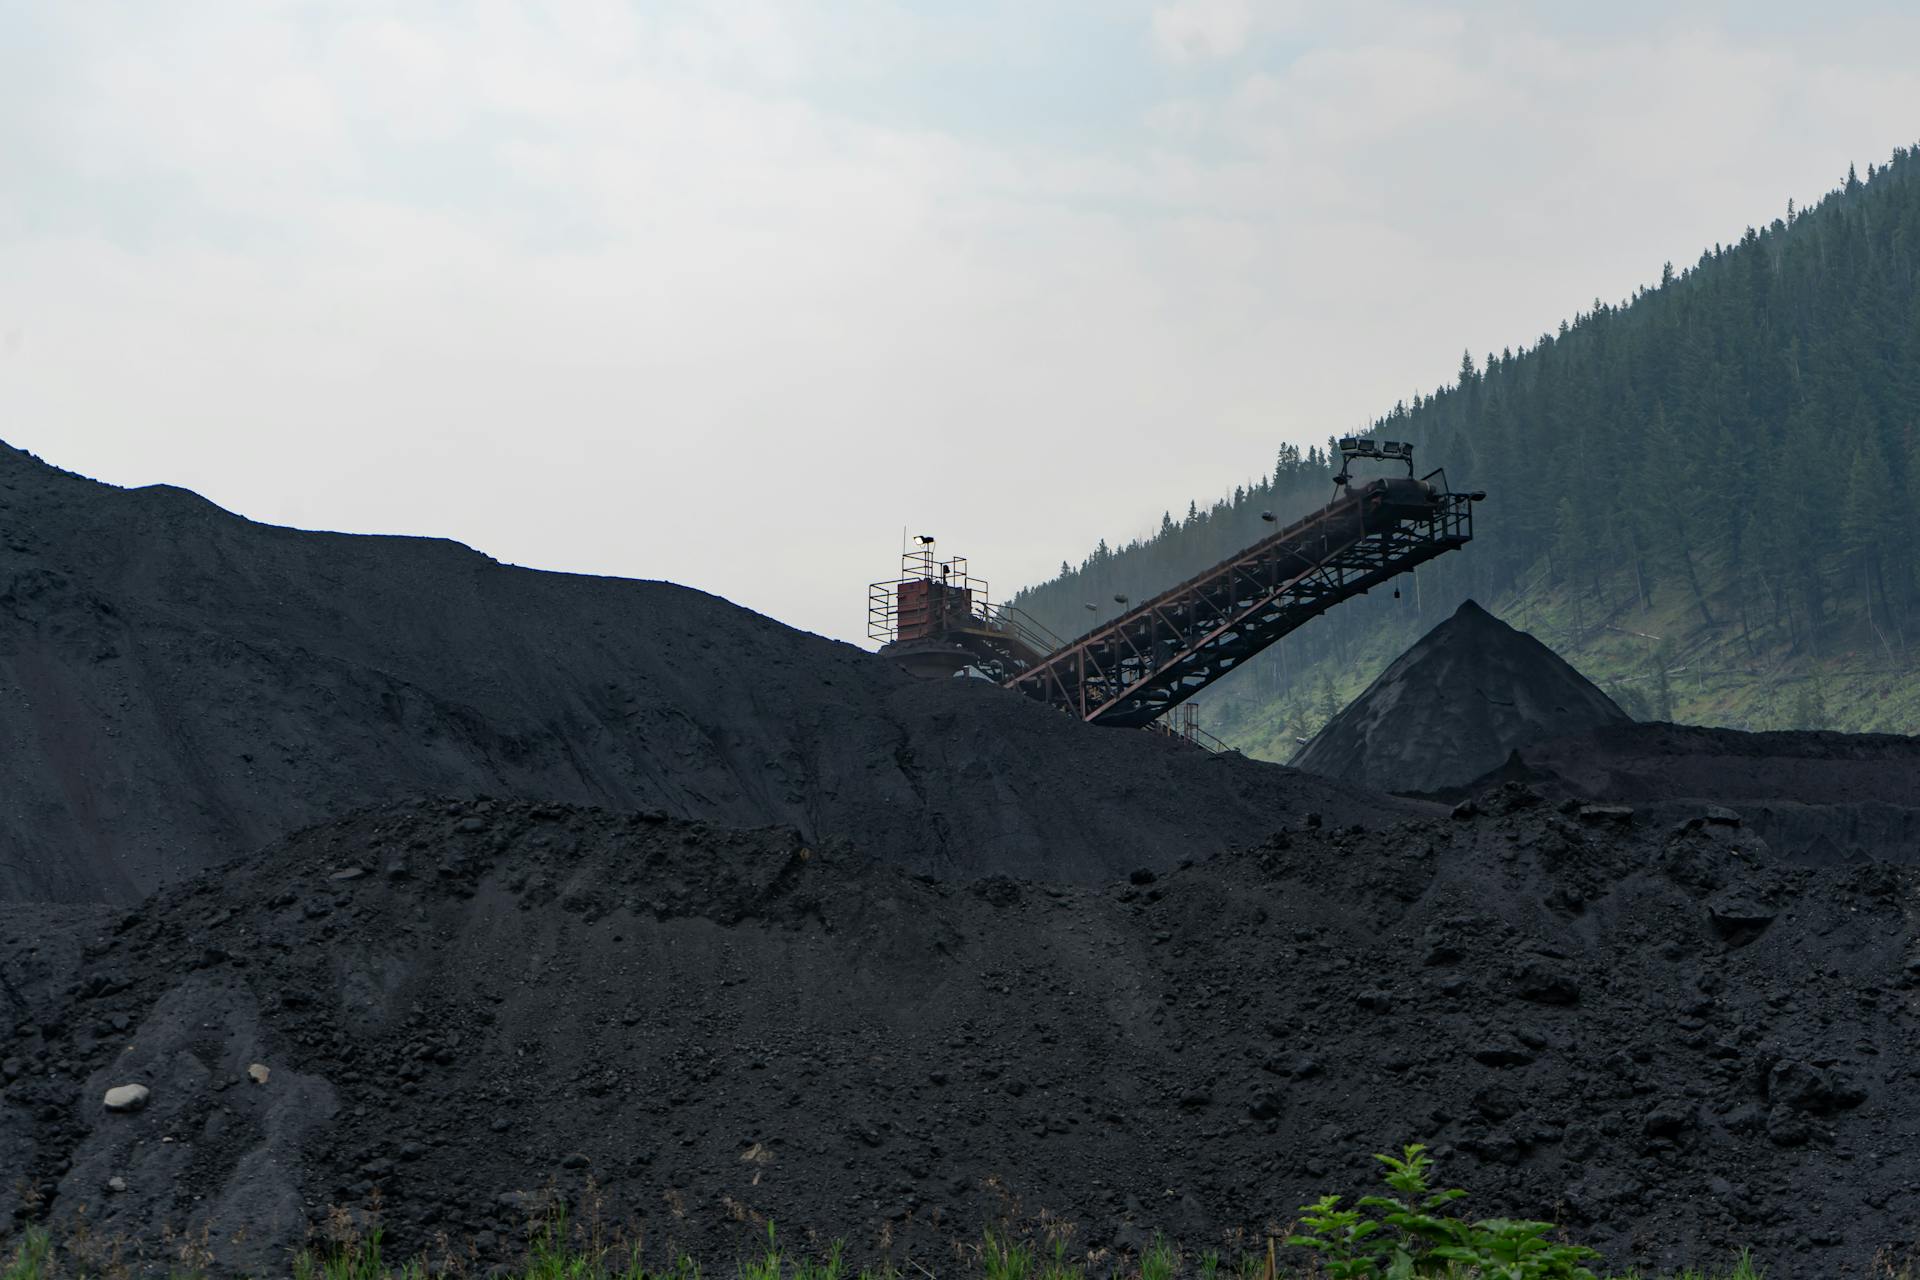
(1454, 707)
(1815, 797)
(1662, 1035)
(757, 928)
(179, 686)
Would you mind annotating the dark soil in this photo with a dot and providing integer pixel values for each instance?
(1455, 706)
(1665, 1037)
(1815, 797)
(179, 686)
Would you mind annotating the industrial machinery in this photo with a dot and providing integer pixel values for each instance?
(936, 619)
(1128, 672)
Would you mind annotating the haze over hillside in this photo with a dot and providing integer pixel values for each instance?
(1703, 497)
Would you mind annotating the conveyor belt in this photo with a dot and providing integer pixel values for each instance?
(1162, 652)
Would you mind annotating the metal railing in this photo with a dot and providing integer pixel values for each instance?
(950, 576)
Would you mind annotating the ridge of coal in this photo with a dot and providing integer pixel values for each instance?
(179, 685)
(465, 1006)
(1454, 707)
(1813, 796)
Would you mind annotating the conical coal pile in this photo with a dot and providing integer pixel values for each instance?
(1454, 707)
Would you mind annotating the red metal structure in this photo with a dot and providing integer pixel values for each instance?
(1127, 673)
(936, 619)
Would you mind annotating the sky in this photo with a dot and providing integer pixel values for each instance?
(733, 294)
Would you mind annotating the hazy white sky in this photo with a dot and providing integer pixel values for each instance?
(729, 293)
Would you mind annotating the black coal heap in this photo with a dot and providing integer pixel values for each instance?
(1454, 707)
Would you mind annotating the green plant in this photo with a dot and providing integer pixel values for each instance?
(1210, 1265)
(768, 1266)
(1005, 1259)
(832, 1267)
(32, 1260)
(1744, 1268)
(1403, 1236)
(1339, 1236)
(356, 1259)
(1159, 1261)
(1057, 1267)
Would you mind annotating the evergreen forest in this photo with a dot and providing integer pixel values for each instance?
(1706, 497)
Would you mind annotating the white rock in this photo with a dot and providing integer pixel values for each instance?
(126, 1097)
(116, 1183)
(258, 1073)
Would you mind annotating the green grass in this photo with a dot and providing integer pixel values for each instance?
(1159, 1261)
(1407, 1233)
(32, 1259)
(998, 1257)
(1002, 1258)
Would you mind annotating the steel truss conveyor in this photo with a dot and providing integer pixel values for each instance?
(1130, 671)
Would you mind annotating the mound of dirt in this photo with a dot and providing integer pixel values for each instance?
(682, 1030)
(1818, 797)
(179, 686)
(1454, 707)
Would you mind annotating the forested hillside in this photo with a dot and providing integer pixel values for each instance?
(1706, 497)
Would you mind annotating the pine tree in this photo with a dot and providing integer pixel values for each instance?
(1329, 699)
(1869, 528)
(1810, 704)
(1569, 541)
(1744, 437)
(1662, 682)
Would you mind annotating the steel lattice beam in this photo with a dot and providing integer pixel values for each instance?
(1164, 651)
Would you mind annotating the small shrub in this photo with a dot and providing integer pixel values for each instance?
(1404, 1236)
